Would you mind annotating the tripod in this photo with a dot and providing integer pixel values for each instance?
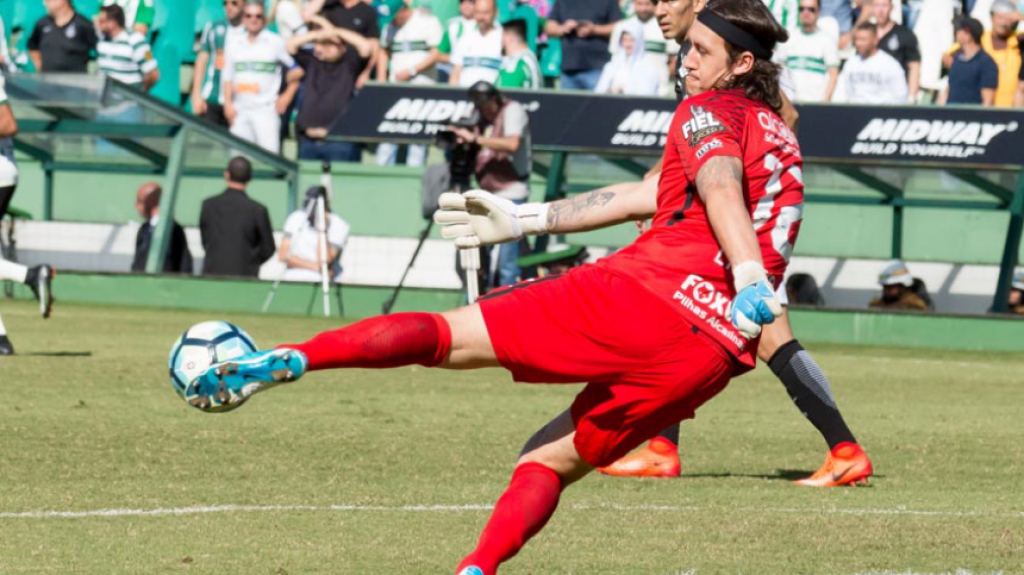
(469, 259)
(390, 303)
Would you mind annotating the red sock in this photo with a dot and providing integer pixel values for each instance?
(522, 511)
(379, 342)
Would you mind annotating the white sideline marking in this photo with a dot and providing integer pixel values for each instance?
(199, 510)
(921, 361)
(908, 572)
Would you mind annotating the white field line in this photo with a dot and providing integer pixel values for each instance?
(887, 572)
(211, 509)
(920, 361)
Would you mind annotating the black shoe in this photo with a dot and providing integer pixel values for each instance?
(5, 346)
(39, 279)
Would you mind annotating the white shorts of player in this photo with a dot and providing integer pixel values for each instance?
(8, 171)
(261, 126)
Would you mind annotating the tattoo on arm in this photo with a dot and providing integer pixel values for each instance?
(571, 210)
(719, 172)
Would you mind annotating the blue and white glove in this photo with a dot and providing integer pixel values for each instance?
(755, 303)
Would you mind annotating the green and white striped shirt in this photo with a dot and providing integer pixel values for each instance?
(126, 58)
(479, 55)
(410, 45)
(213, 42)
(520, 70)
(809, 56)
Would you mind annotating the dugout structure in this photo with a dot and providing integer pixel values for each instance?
(85, 123)
(893, 157)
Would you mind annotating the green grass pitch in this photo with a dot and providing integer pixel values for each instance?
(410, 459)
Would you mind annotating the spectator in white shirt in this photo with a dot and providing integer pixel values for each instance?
(871, 76)
(812, 57)
(441, 57)
(300, 247)
(406, 45)
(629, 72)
(659, 51)
(477, 55)
(253, 100)
(900, 43)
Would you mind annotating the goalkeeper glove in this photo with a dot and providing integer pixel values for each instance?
(478, 218)
(755, 303)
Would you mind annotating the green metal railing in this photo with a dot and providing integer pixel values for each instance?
(139, 156)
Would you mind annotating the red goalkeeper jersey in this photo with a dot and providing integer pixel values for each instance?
(679, 258)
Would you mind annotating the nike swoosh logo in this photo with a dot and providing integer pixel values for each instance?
(837, 477)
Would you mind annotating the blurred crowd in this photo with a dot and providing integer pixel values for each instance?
(270, 65)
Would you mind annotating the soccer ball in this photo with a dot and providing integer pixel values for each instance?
(201, 346)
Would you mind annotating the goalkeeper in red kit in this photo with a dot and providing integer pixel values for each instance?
(655, 330)
(846, 463)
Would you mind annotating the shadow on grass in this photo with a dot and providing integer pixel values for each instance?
(779, 475)
(58, 354)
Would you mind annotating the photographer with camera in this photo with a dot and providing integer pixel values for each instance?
(499, 145)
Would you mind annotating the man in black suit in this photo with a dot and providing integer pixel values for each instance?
(179, 259)
(236, 229)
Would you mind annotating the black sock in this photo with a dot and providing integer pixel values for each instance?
(32, 277)
(810, 391)
(671, 434)
(6, 194)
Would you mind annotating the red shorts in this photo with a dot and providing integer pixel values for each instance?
(645, 366)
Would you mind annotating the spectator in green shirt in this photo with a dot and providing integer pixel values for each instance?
(519, 68)
(207, 98)
(453, 30)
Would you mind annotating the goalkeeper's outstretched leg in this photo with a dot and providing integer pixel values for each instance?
(644, 375)
(457, 339)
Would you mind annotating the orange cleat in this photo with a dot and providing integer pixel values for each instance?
(846, 464)
(660, 458)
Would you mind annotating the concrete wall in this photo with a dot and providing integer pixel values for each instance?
(386, 203)
(843, 247)
(379, 261)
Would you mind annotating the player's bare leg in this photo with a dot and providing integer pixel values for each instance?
(457, 339)
(548, 464)
(471, 344)
(846, 462)
(38, 278)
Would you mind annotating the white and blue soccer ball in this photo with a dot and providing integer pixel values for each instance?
(203, 345)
